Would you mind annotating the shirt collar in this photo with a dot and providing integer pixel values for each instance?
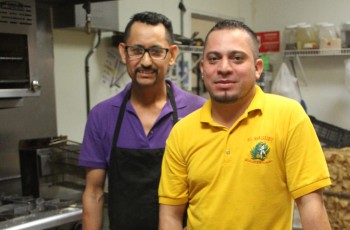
(257, 104)
(179, 96)
(258, 100)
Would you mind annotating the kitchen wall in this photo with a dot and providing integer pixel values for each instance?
(325, 94)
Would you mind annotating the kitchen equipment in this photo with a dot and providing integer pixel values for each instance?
(29, 213)
(18, 76)
(52, 186)
(49, 168)
(103, 16)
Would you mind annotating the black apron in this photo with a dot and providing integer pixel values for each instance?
(134, 176)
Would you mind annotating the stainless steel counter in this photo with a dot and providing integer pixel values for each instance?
(45, 220)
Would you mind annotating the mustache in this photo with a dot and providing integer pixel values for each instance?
(141, 69)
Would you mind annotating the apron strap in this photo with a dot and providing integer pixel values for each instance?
(120, 120)
(123, 107)
(173, 104)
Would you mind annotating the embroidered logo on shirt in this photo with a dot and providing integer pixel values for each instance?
(260, 151)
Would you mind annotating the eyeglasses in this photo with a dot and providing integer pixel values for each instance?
(137, 52)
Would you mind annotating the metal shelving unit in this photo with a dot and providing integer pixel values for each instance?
(317, 52)
(191, 49)
(194, 51)
(296, 54)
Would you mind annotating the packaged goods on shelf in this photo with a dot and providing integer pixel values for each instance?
(337, 196)
(306, 37)
(329, 36)
(323, 36)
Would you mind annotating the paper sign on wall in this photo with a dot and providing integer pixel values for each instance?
(269, 41)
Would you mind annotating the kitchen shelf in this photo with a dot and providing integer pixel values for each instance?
(317, 52)
(287, 53)
(191, 49)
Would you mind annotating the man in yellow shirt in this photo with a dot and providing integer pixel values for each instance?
(242, 160)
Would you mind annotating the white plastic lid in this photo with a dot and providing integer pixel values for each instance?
(306, 26)
(327, 24)
(291, 26)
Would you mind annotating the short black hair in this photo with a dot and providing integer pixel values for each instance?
(235, 24)
(151, 18)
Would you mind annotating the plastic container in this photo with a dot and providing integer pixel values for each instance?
(331, 135)
(329, 36)
(346, 35)
(327, 31)
(289, 37)
(306, 37)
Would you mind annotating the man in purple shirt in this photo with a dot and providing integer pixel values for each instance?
(125, 135)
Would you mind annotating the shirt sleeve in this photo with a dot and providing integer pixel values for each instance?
(306, 166)
(173, 188)
(93, 152)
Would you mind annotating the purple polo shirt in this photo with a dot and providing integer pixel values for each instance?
(99, 130)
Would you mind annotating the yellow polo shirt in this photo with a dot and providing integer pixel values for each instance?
(246, 176)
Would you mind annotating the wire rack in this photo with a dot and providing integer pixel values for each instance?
(317, 52)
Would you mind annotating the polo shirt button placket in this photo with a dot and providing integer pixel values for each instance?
(228, 156)
(151, 133)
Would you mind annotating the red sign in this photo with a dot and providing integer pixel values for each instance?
(269, 41)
